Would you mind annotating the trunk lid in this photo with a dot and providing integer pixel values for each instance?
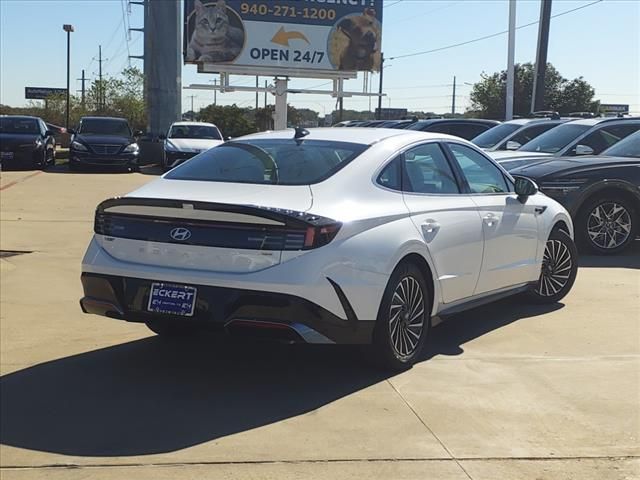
(214, 226)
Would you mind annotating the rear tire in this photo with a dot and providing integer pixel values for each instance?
(172, 328)
(403, 321)
(608, 224)
(559, 269)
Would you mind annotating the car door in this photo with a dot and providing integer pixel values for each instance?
(510, 227)
(447, 220)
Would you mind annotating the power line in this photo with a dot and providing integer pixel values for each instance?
(392, 4)
(127, 33)
(490, 36)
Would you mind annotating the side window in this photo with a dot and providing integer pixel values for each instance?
(605, 137)
(482, 175)
(528, 134)
(426, 170)
(390, 175)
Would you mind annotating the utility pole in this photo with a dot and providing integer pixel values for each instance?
(510, 61)
(266, 83)
(379, 112)
(257, 94)
(68, 28)
(191, 97)
(101, 87)
(537, 99)
(453, 97)
(83, 79)
(215, 92)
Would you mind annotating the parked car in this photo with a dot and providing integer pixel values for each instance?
(602, 193)
(25, 142)
(186, 139)
(466, 128)
(330, 236)
(103, 142)
(579, 137)
(513, 134)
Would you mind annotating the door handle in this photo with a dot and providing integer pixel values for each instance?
(430, 226)
(490, 219)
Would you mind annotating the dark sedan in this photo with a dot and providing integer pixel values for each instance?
(104, 142)
(466, 128)
(602, 193)
(25, 142)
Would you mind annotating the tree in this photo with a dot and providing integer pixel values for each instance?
(562, 95)
(231, 119)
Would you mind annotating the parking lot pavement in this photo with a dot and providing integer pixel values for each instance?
(507, 391)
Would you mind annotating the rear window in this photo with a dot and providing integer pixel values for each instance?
(276, 162)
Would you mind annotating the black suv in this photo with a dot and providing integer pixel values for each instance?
(105, 142)
(26, 142)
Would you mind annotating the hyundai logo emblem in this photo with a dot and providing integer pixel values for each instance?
(181, 234)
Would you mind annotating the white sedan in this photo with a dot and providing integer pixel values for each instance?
(186, 139)
(360, 236)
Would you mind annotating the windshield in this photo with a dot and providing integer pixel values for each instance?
(492, 136)
(629, 147)
(195, 131)
(104, 126)
(19, 125)
(555, 139)
(277, 161)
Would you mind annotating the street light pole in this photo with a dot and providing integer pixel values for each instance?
(68, 28)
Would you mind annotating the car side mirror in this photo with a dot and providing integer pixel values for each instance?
(584, 150)
(71, 131)
(525, 187)
(138, 133)
(162, 136)
(49, 133)
(513, 145)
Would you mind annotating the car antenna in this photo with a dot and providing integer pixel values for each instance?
(300, 132)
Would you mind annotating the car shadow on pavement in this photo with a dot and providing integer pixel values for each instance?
(449, 337)
(153, 396)
(630, 258)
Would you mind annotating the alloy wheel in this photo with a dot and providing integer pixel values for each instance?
(556, 268)
(609, 225)
(406, 315)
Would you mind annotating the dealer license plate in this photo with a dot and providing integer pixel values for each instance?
(172, 299)
(6, 155)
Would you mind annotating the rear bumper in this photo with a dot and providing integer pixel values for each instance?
(22, 158)
(229, 309)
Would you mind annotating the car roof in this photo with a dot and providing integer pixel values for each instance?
(96, 117)
(595, 121)
(196, 124)
(361, 135)
(24, 117)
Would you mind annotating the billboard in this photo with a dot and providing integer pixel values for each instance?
(323, 35)
(42, 93)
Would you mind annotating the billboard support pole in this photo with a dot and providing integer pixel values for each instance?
(380, 87)
(280, 116)
(537, 99)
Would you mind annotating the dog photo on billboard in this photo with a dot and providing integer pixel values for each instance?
(354, 44)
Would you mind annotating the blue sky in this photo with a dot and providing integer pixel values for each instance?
(600, 42)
